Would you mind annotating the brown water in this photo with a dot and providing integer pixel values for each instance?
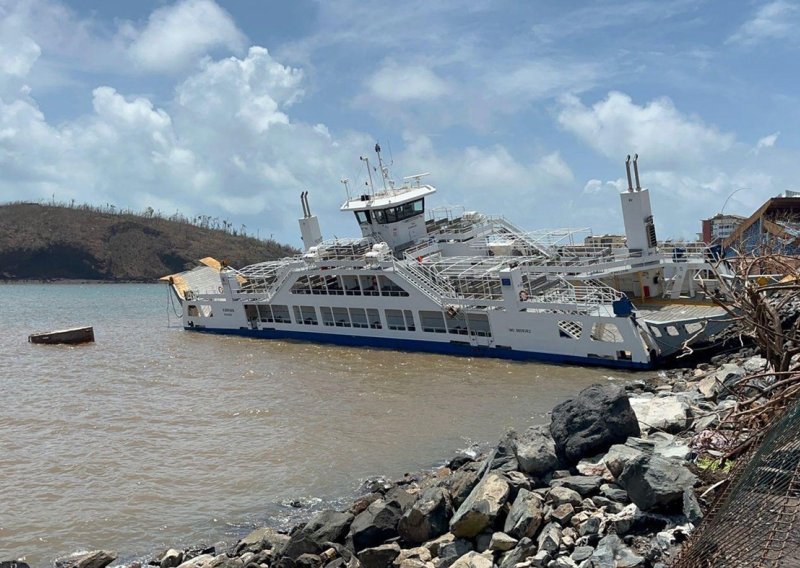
(154, 436)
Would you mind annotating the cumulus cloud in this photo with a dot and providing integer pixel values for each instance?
(176, 35)
(398, 83)
(776, 20)
(766, 142)
(616, 126)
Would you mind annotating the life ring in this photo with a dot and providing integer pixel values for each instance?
(523, 296)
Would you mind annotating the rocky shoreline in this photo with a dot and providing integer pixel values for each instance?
(620, 477)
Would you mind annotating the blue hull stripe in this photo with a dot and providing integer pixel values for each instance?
(445, 348)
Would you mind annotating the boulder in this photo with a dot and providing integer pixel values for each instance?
(325, 526)
(201, 561)
(656, 483)
(504, 458)
(525, 548)
(667, 413)
(172, 558)
(585, 485)
(259, 540)
(374, 526)
(536, 451)
(473, 560)
(481, 507)
(502, 542)
(463, 482)
(380, 556)
(618, 457)
(303, 561)
(525, 516)
(428, 517)
(452, 551)
(550, 538)
(560, 495)
(434, 545)
(599, 417)
(562, 562)
(563, 514)
(94, 559)
(755, 365)
(709, 387)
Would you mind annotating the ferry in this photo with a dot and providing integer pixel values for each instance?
(461, 282)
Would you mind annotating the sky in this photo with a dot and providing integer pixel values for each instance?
(526, 109)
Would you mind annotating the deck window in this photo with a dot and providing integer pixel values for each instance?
(327, 316)
(374, 318)
(479, 325)
(432, 322)
(351, 287)
(369, 285)
(306, 315)
(394, 320)
(358, 317)
(281, 314)
(193, 311)
(340, 317)
(389, 288)
(409, 316)
(301, 286)
(457, 324)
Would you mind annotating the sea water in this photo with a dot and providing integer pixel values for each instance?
(155, 437)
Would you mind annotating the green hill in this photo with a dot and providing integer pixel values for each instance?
(43, 242)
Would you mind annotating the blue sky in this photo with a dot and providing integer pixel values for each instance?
(525, 109)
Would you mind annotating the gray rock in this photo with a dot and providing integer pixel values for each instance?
(599, 417)
(172, 558)
(755, 365)
(428, 517)
(94, 559)
(615, 493)
(590, 526)
(463, 482)
(536, 451)
(375, 525)
(606, 551)
(525, 516)
(563, 514)
(434, 545)
(200, 561)
(260, 539)
(326, 526)
(581, 553)
(562, 562)
(524, 549)
(585, 485)
(560, 495)
(691, 506)
(626, 558)
(502, 542)
(667, 413)
(504, 458)
(379, 556)
(481, 507)
(550, 538)
(473, 560)
(654, 482)
(540, 559)
(452, 551)
(303, 561)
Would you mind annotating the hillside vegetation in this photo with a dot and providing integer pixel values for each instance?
(45, 242)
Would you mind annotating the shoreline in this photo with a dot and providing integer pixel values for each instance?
(550, 495)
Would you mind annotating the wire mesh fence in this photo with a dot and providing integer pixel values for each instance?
(754, 523)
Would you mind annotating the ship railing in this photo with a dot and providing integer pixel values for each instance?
(589, 294)
(427, 282)
(421, 250)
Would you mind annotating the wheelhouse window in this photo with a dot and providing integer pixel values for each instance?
(363, 217)
(399, 213)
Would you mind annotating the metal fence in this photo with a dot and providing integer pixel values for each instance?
(755, 522)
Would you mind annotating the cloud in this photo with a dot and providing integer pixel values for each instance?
(177, 35)
(776, 20)
(616, 126)
(398, 83)
(766, 142)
